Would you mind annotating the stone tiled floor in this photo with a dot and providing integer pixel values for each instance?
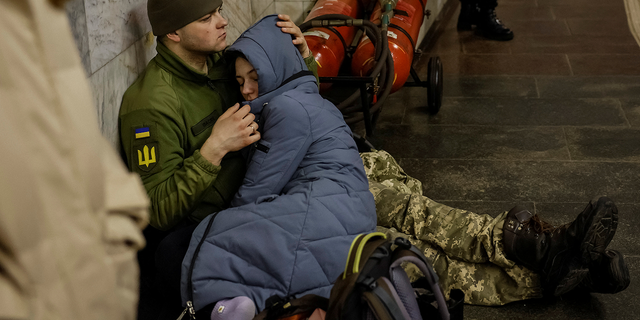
(548, 120)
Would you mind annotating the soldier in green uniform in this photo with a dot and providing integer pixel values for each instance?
(180, 123)
(181, 129)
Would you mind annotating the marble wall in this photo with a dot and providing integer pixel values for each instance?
(296, 9)
(115, 42)
(434, 7)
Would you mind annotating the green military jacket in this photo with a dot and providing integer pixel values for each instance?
(166, 116)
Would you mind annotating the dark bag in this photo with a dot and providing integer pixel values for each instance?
(374, 284)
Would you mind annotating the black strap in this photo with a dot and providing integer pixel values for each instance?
(344, 43)
(456, 304)
(195, 255)
(388, 302)
(274, 306)
(293, 77)
(296, 76)
(413, 45)
(397, 12)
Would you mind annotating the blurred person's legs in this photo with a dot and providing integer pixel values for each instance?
(150, 297)
(482, 15)
(168, 261)
(70, 213)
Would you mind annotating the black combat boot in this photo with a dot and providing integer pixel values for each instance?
(490, 27)
(611, 275)
(468, 17)
(562, 255)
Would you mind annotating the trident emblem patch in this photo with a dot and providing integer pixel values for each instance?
(147, 156)
(146, 160)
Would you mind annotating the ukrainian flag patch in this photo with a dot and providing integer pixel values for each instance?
(142, 133)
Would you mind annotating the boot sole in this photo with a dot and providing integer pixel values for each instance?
(601, 232)
(618, 272)
(570, 281)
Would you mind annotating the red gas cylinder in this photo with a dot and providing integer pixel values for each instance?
(402, 33)
(328, 44)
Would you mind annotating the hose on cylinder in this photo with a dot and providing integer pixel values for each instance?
(382, 70)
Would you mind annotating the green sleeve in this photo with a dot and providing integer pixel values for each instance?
(312, 65)
(174, 181)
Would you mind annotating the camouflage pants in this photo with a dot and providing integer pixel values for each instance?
(465, 248)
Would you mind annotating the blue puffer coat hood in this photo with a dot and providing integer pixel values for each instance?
(303, 200)
(278, 69)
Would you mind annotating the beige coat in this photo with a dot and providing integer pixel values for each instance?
(70, 214)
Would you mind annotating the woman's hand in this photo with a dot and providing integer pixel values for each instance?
(287, 26)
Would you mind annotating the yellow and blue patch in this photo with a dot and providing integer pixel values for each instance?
(146, 156)
(142, 133)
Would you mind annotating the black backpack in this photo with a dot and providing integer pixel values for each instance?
(375, 286)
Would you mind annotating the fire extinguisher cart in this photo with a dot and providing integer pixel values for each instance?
(381, 51)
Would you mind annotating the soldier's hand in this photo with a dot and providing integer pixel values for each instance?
(234, 130)
(287, 26)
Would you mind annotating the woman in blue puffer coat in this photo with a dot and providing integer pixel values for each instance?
(305, 195)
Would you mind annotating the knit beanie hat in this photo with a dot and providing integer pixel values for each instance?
(170, 15)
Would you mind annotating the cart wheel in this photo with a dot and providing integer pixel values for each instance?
(434, 85)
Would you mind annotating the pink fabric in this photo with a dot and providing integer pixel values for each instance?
(238, 308)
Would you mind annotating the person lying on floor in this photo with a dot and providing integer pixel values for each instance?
(305, 195)
(495, 261)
